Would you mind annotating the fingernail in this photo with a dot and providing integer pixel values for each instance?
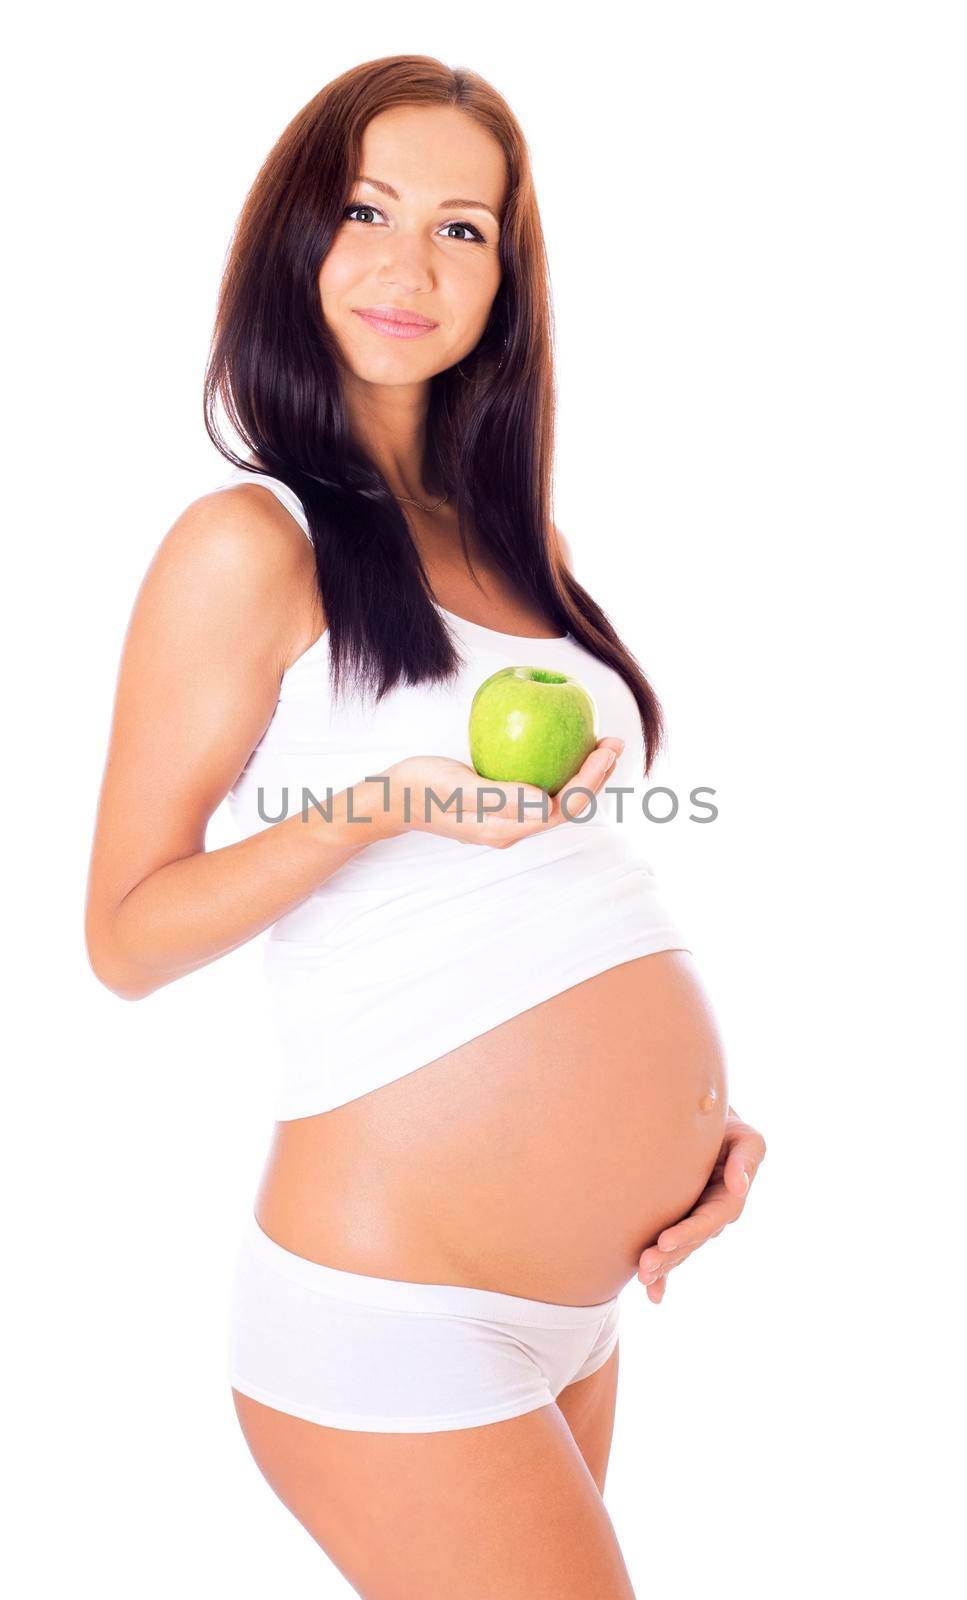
(612, 758)
(748, 1178)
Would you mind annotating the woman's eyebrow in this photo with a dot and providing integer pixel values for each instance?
(469, 205)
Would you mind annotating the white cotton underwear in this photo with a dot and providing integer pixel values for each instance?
(384, 1356)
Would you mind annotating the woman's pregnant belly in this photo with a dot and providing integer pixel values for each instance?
(538, 1159)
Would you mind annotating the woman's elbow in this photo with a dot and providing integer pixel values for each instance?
(115, 977)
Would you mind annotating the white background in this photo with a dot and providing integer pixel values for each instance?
(756, 227)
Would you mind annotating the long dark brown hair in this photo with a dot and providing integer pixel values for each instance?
(274, 366)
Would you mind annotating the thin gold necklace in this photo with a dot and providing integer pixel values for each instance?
(417, 502)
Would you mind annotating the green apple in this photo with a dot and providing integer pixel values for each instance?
(531, 725)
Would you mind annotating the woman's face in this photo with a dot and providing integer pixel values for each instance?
(423, 248)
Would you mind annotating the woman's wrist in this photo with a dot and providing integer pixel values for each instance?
(364, 813)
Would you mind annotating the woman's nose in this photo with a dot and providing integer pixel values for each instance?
(406, 267)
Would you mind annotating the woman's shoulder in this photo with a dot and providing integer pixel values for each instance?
(246, 523)
(267, 490)
(240, 539)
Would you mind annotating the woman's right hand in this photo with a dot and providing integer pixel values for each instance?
(458, 787)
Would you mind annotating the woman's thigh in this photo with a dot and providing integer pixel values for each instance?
(503, 1511)
(588, 1408)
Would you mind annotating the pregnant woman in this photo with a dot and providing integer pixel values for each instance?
(500, 1084)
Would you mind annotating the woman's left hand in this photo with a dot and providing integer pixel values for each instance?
(721, 1201)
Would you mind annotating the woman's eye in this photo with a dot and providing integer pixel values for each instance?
(350, 209)
(477, 236)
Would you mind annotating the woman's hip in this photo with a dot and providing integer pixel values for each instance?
(386, 1355)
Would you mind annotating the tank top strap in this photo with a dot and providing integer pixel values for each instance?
(281, 491)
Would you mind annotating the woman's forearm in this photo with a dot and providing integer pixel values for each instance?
(190, 912)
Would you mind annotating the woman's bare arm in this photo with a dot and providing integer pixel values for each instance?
(210, 634)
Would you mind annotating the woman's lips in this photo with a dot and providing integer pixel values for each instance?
(397, 330)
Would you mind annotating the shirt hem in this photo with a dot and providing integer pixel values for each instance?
(444, 1039)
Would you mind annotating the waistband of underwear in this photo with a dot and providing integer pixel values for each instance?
(443, 1299)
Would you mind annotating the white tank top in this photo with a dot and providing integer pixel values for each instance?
(420, 943)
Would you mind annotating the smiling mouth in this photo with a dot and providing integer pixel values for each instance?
(395, 326)
(386, 313)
